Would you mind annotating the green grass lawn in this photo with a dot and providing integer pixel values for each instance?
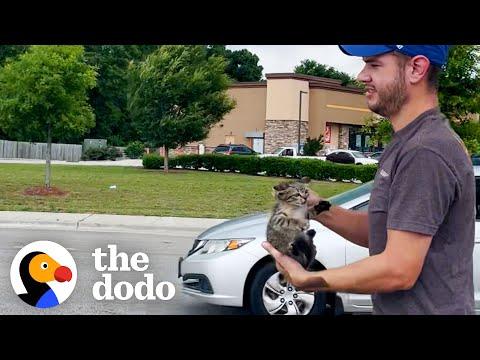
(144, 192)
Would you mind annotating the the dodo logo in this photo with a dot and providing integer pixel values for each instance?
(43, 274)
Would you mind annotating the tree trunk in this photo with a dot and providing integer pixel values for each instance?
(165, 159)
(48, 156)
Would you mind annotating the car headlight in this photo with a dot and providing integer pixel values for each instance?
(218, 245)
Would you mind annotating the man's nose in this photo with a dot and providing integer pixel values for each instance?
(363, 76)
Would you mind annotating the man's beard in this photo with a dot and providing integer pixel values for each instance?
(391, 98)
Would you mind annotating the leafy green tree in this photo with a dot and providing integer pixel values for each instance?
(379, 130)
(109, 97)
(242, 65)
(459, 84)
(177, 94)
(469, 132)
(313, 68)
(43, 94)
(11, 52)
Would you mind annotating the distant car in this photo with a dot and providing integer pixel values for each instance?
(376, 155)
(350, 157)
(234, 149)
(476, 159)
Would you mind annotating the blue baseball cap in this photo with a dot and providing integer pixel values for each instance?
(437, 54)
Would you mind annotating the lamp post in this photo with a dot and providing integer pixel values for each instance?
(300, 118)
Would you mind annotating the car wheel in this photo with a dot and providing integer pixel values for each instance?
(270, 295)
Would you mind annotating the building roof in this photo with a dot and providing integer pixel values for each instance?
(315, 82)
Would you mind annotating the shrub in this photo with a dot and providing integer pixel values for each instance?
(270, 166)
(102, 153)
(135, 149)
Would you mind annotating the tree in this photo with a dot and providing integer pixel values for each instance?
(313, 68)
(44, 94)
(469, 132)
(11, 52)
(459, 84)
(109, 97)
(312, 146)
(177, 94)
(242, 65)
(379, 129)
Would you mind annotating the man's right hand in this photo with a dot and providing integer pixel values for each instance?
(313, 199)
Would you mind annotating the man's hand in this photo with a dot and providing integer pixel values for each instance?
(294, 273)
(313, 199)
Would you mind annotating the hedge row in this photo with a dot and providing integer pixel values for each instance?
(270, 166)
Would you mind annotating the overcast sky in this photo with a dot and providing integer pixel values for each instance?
(283, 58)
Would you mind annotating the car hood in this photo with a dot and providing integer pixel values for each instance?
(254, 225)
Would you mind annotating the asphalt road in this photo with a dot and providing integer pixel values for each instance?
(163, 252)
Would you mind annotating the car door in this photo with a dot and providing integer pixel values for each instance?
(237, 150)
(351, 157)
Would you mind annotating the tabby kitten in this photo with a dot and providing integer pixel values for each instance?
(289, 220)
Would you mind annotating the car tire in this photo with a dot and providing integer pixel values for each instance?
(256, 293)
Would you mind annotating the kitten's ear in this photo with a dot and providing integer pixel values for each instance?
(281, 186)
(305, 180)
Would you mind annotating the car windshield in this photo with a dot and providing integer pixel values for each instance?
(358, 154)
(351, 194)
(221, 148)
(278, 150)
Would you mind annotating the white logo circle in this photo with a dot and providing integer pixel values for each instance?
(43, 274)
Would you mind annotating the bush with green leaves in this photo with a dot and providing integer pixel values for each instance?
(135, 149)
(102, 153)
(312, 146)
(270, 166)
(152, 161)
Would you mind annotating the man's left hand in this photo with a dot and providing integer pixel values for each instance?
(294, 273)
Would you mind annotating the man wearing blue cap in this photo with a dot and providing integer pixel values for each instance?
(420, 224)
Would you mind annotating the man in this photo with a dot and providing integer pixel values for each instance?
(421, 219)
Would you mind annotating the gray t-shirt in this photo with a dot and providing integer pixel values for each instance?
(425, 184)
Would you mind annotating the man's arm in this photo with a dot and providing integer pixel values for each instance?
(352, 225)
(396, 268)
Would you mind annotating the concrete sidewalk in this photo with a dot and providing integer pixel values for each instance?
(122, 162)
(103, 222)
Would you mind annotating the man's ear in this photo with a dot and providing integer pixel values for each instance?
(418, 69)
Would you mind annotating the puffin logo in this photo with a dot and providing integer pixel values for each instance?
(43, 274)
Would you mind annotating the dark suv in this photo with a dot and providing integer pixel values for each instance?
(233, 149)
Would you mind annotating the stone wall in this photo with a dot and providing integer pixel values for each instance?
(283, 133)
(343, 136)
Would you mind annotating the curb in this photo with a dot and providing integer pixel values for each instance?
(105, 223)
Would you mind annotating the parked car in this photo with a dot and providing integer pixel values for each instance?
(291, 151)
(228, 266)
(350, 157)
(476, 159)
(376, 155)
(234, 149)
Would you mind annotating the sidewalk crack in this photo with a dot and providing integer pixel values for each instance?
(78, 222)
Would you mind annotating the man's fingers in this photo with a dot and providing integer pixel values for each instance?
(274, 252)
